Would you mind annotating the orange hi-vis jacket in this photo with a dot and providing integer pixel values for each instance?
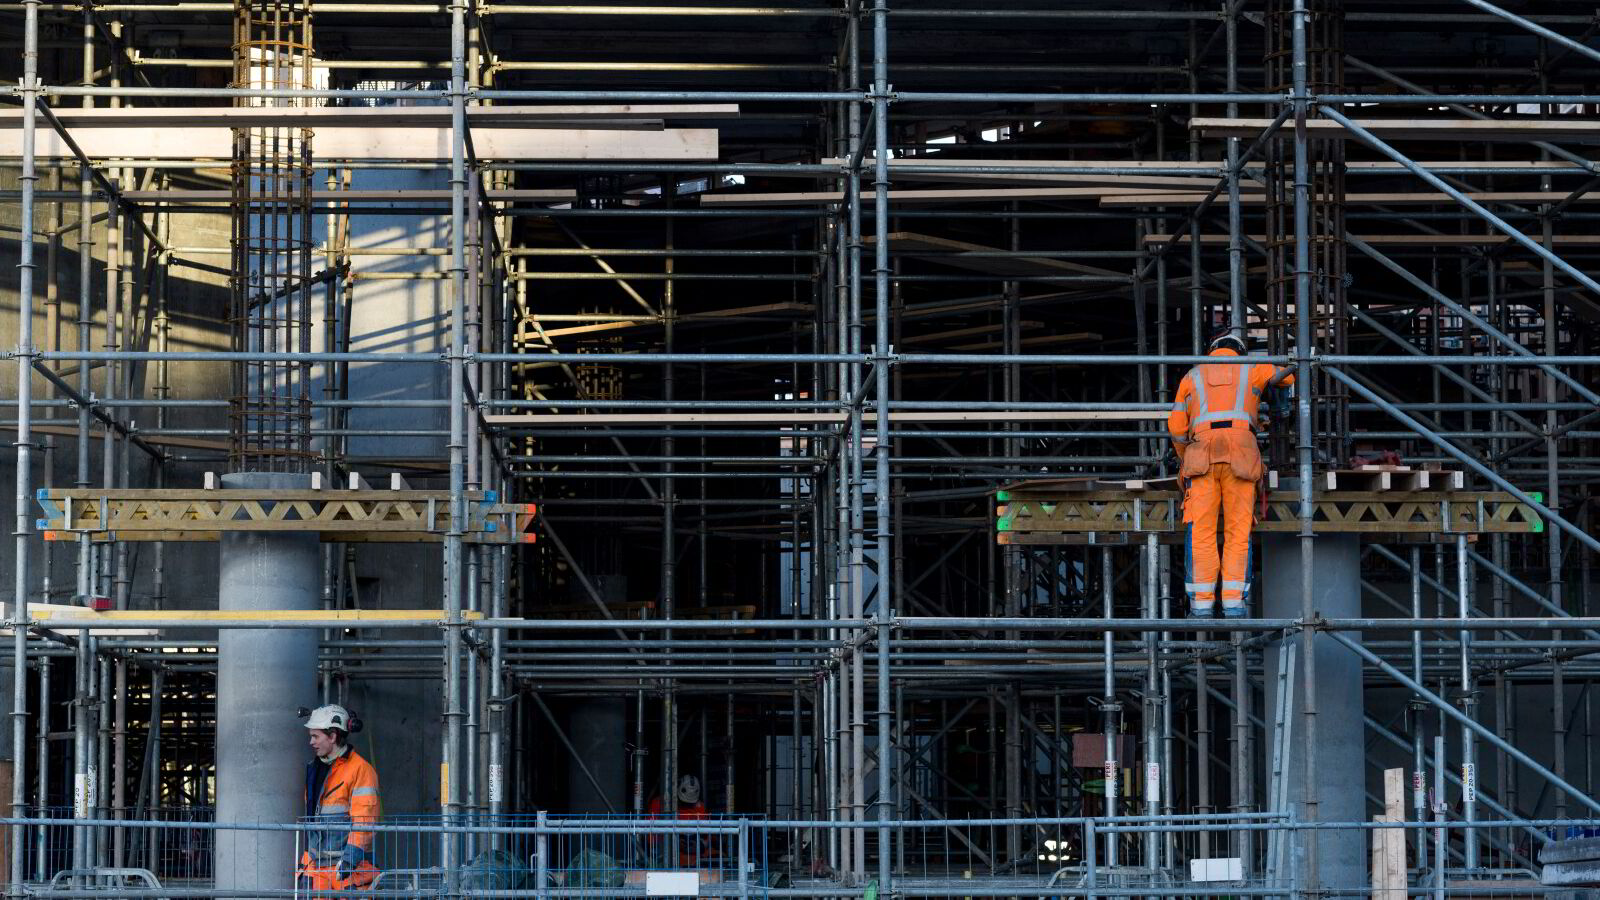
(1213, 423)
(348, 800)
(1213, 418)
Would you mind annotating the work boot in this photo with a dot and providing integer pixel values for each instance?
(1233, 612)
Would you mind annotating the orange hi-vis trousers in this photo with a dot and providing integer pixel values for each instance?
(1218, 493)
(321, 880)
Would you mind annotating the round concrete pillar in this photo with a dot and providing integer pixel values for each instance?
(1338, 760)
(263, 675)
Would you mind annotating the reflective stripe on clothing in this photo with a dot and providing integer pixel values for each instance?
(349, 800)
(1218, 505)
(315, 877)
(1195, 590)
(1239, 412)
(1211, 394)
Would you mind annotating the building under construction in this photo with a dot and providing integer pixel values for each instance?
(719, 449)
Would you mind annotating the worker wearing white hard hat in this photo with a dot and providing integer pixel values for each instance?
(689, 791)
(691, 849)
(341, 794)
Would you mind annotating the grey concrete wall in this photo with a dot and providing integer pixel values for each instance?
(597, 729)
(398, 316)
(403, 732)
(402, 715)
(196, 304)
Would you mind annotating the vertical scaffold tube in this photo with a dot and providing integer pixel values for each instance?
(24, 456)
(1109, 705)
(1303, 388)
(880, 450)
(450, 774)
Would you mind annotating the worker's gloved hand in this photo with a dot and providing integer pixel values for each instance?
(1171, 460)
(350, 859)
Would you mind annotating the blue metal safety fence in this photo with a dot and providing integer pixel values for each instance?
(171, 855)
(543, 856)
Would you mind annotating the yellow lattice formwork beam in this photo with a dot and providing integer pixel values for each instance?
(1044, 516)
(354, 516)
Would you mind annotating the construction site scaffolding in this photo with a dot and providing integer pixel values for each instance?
(868, 642)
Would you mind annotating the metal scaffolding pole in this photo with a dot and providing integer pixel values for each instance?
(29, 88)
(451, 780)
(881, 445)
(1303, 348)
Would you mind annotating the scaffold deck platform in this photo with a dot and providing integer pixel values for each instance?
(347, 516)
(1068, 511)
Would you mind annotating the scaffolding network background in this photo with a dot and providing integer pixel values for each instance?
(859, 494)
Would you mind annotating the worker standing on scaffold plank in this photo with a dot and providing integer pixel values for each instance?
(1213, 426)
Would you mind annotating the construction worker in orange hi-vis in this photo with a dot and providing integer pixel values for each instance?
(341, 796)
(1213, 426)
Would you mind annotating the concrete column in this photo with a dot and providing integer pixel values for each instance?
(262, 676)
(1338, 761)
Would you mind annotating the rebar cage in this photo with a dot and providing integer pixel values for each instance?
(270, 409)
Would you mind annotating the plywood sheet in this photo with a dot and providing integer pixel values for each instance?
(907, 169)
(572, 116)
(427, 144)
(924, 196)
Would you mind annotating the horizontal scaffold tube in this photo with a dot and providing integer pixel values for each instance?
(156, 619)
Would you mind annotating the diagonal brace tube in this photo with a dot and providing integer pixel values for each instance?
(576, 756)
(1467, 111)
(1494, 478)
(1536, 28)
(1466, 720)
(1231, 174)
(1485, 798)
(1472, 205)
(1465, 383)
(1433, 293)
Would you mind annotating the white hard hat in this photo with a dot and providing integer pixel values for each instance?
(331, 716)
(1232, 341)
(689, 789)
